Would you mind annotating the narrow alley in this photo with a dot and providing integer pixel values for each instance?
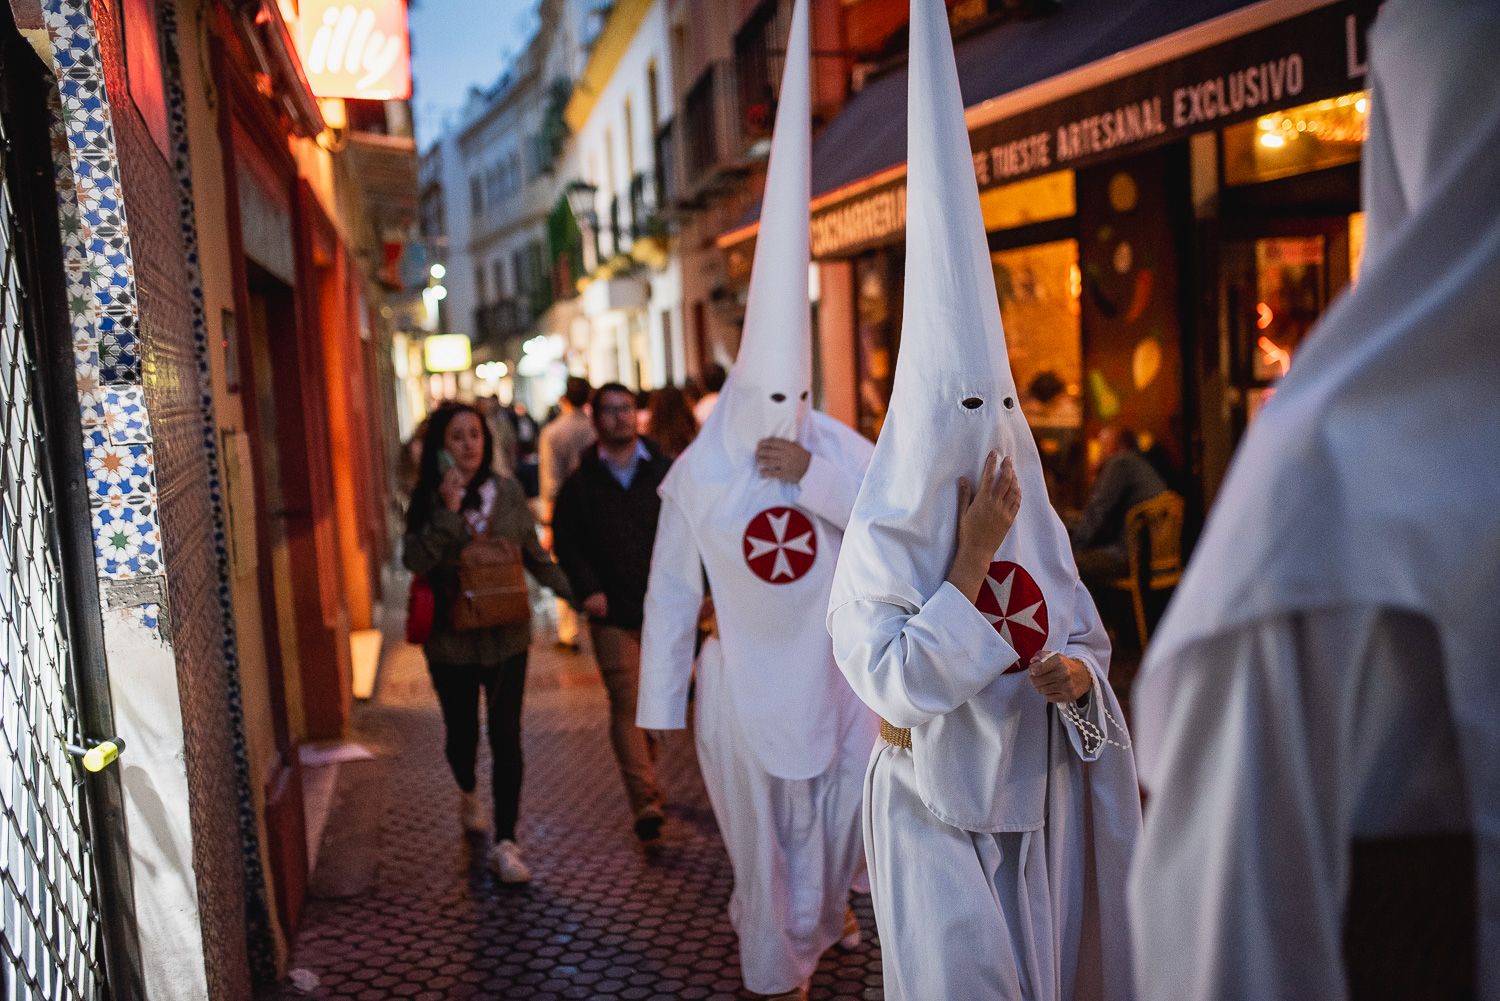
(600, 920)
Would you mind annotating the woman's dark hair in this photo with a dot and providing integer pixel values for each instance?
(424, 496)
(671, 426)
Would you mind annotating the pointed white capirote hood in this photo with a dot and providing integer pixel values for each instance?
(769, 388)
(767, 552)
(954, 396)
(1370, 478)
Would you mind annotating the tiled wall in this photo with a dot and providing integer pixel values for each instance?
(262, 956)
(140, 348)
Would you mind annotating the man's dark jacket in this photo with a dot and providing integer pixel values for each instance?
(602, 533)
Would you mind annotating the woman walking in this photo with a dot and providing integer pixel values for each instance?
(466, 532)
(671, 426)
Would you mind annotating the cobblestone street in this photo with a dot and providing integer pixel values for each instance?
(600, 920)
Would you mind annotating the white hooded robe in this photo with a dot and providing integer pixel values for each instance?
(998, 844)
(1325, 676)
(781, 739)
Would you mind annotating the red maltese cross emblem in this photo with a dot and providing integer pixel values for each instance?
(780, 545)
(1014, 605)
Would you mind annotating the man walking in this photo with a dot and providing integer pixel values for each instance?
(1125, 479)
(604, 527)
(561, 446)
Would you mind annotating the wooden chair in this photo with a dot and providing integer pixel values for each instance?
(1153, 534)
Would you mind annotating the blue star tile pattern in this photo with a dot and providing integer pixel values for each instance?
(127, 540)
(102, 306)
(125, 415)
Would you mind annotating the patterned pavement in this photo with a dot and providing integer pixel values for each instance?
(601, 920)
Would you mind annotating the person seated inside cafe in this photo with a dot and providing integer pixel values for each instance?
(1124, 479)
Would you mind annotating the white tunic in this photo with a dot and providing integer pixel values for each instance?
(1309, 731)
(997, 853)
(793, 839)
(1008, 911)
(1367, 482)
(782, 739)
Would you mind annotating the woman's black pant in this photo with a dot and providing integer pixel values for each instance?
(458, 690)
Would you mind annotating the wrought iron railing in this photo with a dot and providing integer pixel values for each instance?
(52, 946)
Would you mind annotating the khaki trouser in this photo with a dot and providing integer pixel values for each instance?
(567, 624)
(618, 652)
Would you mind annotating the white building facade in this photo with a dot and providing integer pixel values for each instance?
(620, 114)
(510, 279)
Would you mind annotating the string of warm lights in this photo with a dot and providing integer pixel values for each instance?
(1336, 120)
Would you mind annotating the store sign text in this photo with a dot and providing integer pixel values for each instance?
(1314, 56)
(863, 221)
(355, 49)
(1243, 90)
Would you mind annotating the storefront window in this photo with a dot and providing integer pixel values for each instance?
(1309, 137)
(1038, 287)
(1034, 200)
(1289, 286)
(1356, 245)
(878, 282)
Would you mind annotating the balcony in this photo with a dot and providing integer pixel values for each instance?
(758, 63)
(501, 322)
(663, 172)
(712, 139)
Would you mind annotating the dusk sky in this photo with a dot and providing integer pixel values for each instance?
(457, 44)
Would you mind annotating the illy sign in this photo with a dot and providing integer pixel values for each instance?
(355, 48)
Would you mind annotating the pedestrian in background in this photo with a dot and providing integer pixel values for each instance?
(502, 432)
(671, 425)
(713, 381)
(527, 433)
(561, 445)
(1125, 479)
(459, 499)
(603, 530)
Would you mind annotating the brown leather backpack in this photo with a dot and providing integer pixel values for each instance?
(491, 586)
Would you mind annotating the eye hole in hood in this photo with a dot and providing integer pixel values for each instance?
(778, 397)
(1010, 404)
(972, 403)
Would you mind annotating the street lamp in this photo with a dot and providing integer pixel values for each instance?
(581, 195)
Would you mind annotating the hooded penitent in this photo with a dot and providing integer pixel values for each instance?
(770, 560)
(954, 399)
(1371, 478)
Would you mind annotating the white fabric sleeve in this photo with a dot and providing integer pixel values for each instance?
(1237, 888)
(910, 667)
(828, 491)
(674, 595)
(1088, 642)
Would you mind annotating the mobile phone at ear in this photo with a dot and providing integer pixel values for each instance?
(445, 462)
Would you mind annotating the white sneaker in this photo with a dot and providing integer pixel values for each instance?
(851, 939)
(471, 812)
(505, 859)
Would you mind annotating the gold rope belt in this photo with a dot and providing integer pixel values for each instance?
(896, 736)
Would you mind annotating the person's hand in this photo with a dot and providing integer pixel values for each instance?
(985, 513)
(452, 489)
(778, 458)
(596, 605)
(1059, 678)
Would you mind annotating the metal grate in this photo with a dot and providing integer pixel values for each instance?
(51, 941)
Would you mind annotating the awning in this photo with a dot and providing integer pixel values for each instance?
(1095, 78)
